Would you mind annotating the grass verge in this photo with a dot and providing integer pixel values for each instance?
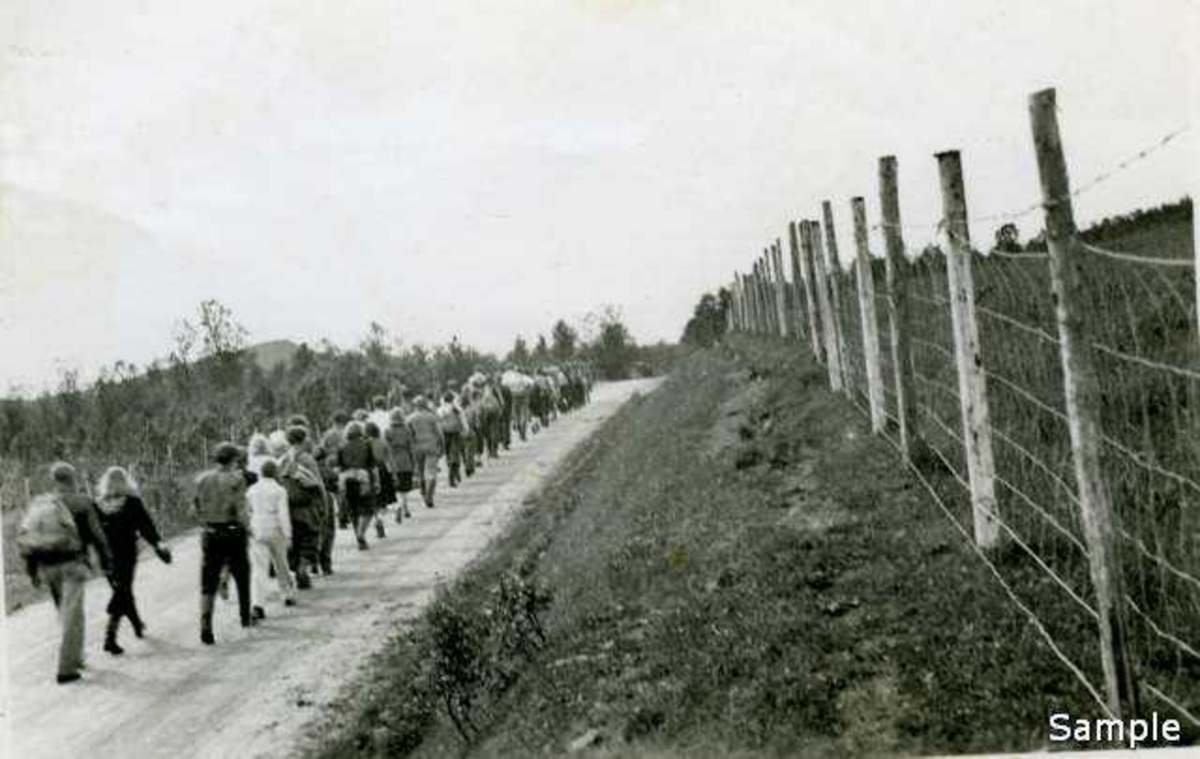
(731, 565)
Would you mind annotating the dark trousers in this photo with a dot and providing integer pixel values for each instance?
(454, 456)
(122, 602)
(224, 546)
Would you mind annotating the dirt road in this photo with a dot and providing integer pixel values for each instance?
(251, 694)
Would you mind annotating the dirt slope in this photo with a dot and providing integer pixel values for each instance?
(171, 697)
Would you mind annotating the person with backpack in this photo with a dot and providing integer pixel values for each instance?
(124, 517)
(428, 445)
(453, 425)
(55, 538)
(221, 509)
(271, 530)
(300, 474)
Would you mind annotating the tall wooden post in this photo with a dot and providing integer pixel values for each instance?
(768, 301)
(804, 253)
(760, 292)
(751, 291)
(866, 310)
(780, 289)
(833, 358)
(972, 382)
(1082, 391)
(897, 300)
(835, 293)
(797, 284)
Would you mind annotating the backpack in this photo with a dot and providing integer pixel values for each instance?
(451, 422)
(48, 529)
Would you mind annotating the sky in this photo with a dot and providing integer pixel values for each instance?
(482, 169)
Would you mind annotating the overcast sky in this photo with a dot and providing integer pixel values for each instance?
(484, 168)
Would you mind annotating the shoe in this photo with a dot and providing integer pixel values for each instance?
(303, 582)
(289, 602)
(249, 622)
(362, 544)
(407, 513)
(111, 647)
(139, 630)
(326, 571)
(258, 612)
(206, 637)
(379, 532)
(68, 678)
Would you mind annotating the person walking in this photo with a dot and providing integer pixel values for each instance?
(271, 534)
(55, 538)
(124, 517)
(399, 437)
(428, 445)
(385, 491)
(453, 425)
(332, 442)
(221, 509)
(356, 462)
(300, 474)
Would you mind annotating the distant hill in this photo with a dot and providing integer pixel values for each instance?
(270, 354)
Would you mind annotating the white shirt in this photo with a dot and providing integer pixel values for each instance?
(269, 514)
(381, 418)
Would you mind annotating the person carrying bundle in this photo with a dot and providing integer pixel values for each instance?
(54, 539)
(300, 474)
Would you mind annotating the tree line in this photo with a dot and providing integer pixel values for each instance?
(212, 386)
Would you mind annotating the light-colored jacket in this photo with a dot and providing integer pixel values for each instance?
(269, 514)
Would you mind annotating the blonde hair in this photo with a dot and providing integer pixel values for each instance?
(113, 478)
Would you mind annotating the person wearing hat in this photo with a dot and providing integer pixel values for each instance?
(428, 446)
(221, 509)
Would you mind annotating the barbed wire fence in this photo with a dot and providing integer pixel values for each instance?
(1048, 401)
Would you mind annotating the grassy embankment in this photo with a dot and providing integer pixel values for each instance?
(735, 565)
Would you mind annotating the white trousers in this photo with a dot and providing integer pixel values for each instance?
(263, 553)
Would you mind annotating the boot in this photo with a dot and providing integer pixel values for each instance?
(110, 635)
(379, 531)
(206, 616)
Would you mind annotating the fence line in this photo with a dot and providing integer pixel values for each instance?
(1098, 488)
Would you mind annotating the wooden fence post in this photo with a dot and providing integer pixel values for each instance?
(897, 300)
(866, 310)
(972, 382)
(773, 289)
(780, 289)
(797, 283)
(1082, 391)
(811, 231)
(805, 283)
(777, 291)
(760, 297)
(835, 292)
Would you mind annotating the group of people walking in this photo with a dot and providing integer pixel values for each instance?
(269, 511)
